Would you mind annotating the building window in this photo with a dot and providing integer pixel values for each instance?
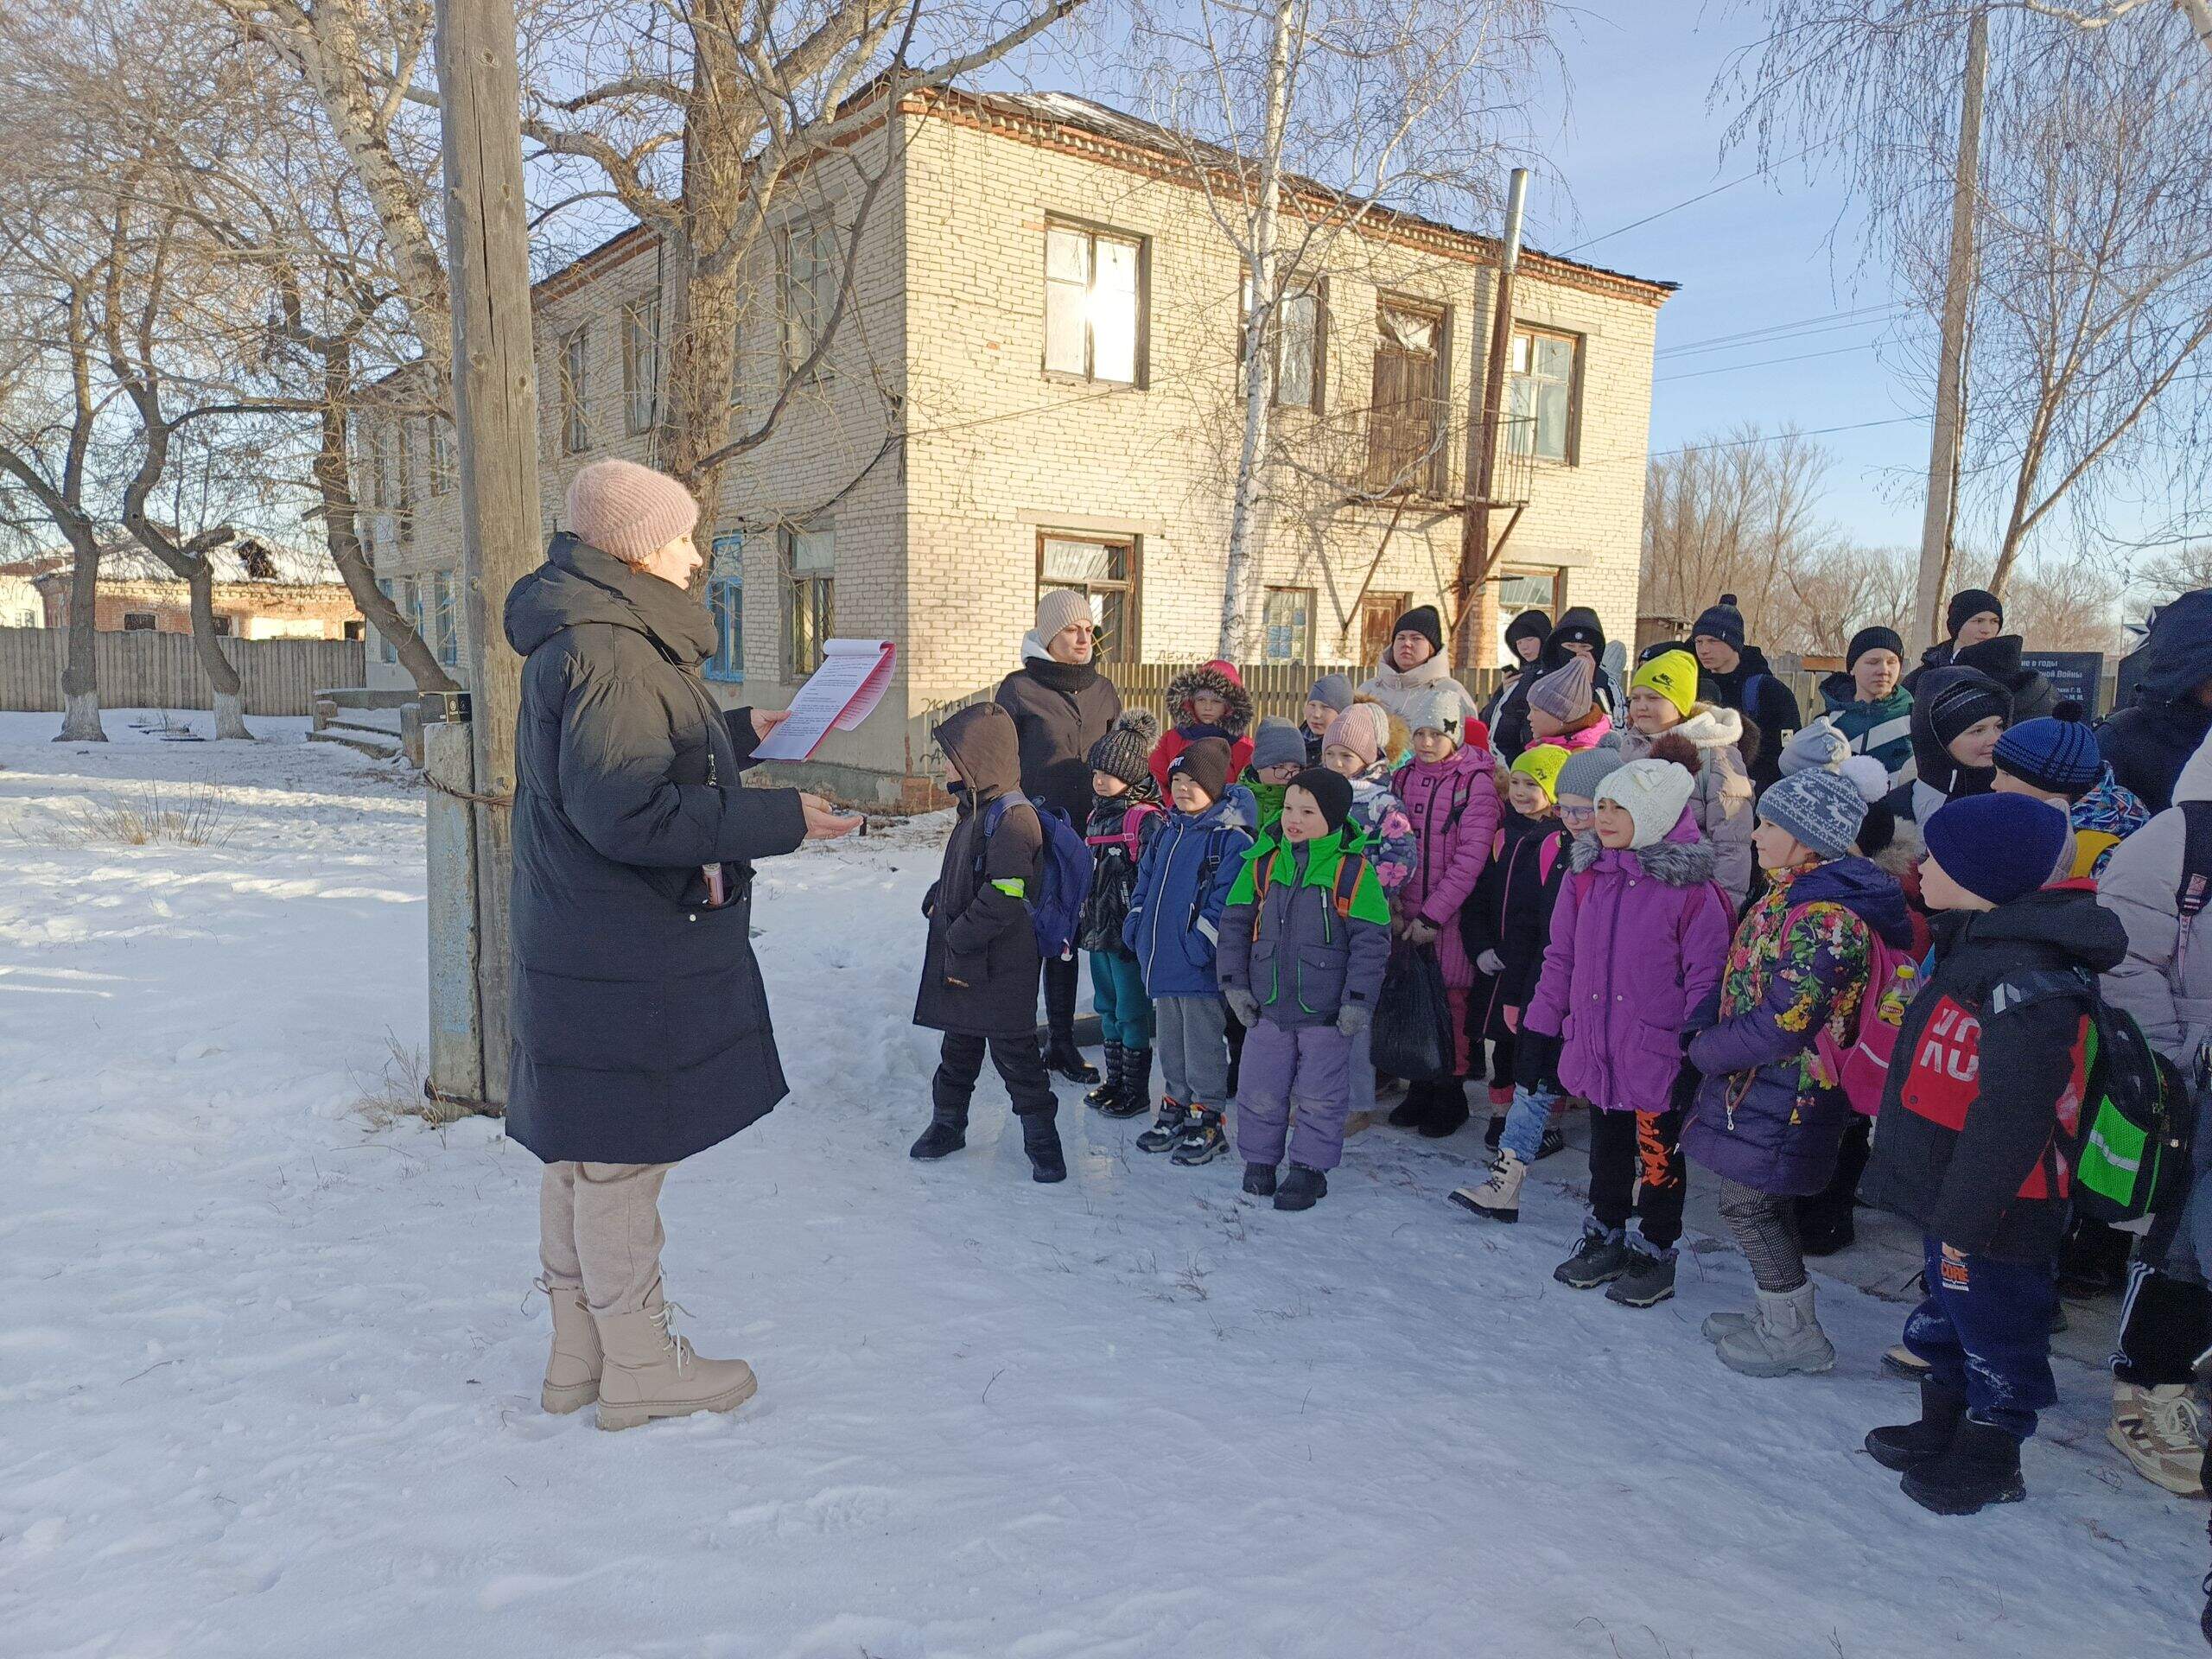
(811, 557)
(445, 461)
(1541, 382)
(222, 626)
(402, 468)
(444, 618)
(1406, 419)
(1094, 304)
(811, 276)
(1376, 613)
(1297, 337)
(640, 364)
(387, 651)
(356, 629)
(1527, 588)
(1290, 621)
(575, 427)
(1103, 569)
(139, 622)
(726, 601)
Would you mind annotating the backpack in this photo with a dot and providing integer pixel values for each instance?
(1350, 868)
(2196, 886)
(1056, 911)
(1862, 1071)
(1130, 837)
(2129, 1147)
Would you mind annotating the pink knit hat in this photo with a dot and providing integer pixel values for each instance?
(1364, 728)
(629, 511)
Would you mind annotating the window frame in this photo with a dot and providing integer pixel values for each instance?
(813, 594)
(142, 622)
(1317, 371)
(641, 365)
(1571, 439)
(726, 578)
(814, 227)
(1140, 348)
(445, 455)
(387, 650)
(572, 408)
(1129, 647)
(1304, 596)
(1437, 484)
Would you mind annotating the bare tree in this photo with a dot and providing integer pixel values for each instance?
(1301, 125)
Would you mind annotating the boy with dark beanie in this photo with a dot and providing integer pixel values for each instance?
(1990, 1066)
(1743, 680)
(1304, 943)
(2058, 761)
(1868, 702)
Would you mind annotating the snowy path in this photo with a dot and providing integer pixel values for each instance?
(268, 1383)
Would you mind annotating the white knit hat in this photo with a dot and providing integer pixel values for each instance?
(1061, 608)
(1653, 793)
(1439, 707)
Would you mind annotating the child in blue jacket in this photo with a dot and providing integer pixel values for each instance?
(1182, 887)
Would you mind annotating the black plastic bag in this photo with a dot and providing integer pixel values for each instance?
(1412, 1019)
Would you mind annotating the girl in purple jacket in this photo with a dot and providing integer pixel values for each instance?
(1450, 795)
(1638, 937)
(1768, 1119)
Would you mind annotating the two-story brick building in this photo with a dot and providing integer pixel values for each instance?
(1038, 385)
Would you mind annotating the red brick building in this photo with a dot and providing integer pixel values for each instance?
(261, 592)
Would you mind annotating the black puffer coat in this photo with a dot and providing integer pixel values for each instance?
(2147, 743)
(640, 1024)
(1059, 710)
(979, 970)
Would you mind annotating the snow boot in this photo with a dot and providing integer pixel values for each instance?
(1718, 1325)
(1904, 1446)
(1649, 1281)
(1111, 1091)
(652, 1372)
(1981, 1466)
(1301, 1189)
(1408, 1113)
(2161, 1432)
(1167, 1129)
(1062, 1058)
(1903, 1363)
(1040, 1139)
(1446, 1114)
(1600, 1258)
(1499, 1198)
(1135, 1096)
(1784, 1336)
(1495, 1132)
(1202, 1141)
(947, 1133)
(1260, 1180)
(572, 1369)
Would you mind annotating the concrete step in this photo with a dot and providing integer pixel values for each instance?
(371, 727)
(377, 746)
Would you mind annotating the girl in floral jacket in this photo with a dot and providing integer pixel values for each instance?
(1361, 745)
(1768, 1119)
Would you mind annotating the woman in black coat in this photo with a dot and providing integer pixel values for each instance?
(640, 1029)
(1061, 705)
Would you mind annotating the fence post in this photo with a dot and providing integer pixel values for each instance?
(456, 1056)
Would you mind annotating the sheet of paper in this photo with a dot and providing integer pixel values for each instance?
(839, 694)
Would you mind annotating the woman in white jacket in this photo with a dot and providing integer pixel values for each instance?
(1414, 665)
(1662, 701)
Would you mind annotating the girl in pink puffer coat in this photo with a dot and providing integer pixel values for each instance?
(1450, 793)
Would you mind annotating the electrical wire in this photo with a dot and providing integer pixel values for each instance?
(1838, 323)
(1763, 363)
(1691, 202)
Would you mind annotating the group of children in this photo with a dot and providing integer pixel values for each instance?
(1623, 923)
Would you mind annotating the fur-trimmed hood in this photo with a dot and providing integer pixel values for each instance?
(1219, 678)
(1684, 858)
(1710, 726)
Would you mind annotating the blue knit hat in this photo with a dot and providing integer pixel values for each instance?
(1277, 743)
(2058, 756)
(1822, 809)
(1996, 847)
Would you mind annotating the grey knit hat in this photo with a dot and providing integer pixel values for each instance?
(1277, 743)
(1334, 689)
(1820, 746)
(1125, 750)
(1568, 692)
(1823, 809)
(1583, 773)
(1439, 707)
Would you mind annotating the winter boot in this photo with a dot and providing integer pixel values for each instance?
(1202, 1141)
(2161, 1432)
(1649, 1281)
(1111, 1091)
(1785, 1336)
(947, 1133)
(1167, 1129)
(1447, 1110)
(1718, 1325)
(652, 1372)
(572, 1370)
(1496, 1133)
(1906, 1446)
(1062, 1058)
(1136, 1096)
(1040, 1139)
(1260, 1180)
(1408, 1113)
(1981, 1466)
(1554, 1141)
(1600, 1258)
(1499, 1196)
(1301, 1189)
(1903, 1363)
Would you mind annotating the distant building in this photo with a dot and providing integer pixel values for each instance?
(261, 592)
(20, 603)
(1037, 386)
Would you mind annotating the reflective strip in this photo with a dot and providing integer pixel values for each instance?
(1212, 933)
(1012, 887)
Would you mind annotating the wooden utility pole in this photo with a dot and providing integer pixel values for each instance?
(1951, 359)
(495, 412)
(1485, 429)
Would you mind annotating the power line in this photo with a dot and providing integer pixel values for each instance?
(1834, 323)
(1776, 437)
(1764, 362)
(1692, 202)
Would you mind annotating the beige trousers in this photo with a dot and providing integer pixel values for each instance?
(599, 1226)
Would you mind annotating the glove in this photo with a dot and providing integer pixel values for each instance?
(1491, 963)
(1420, 932)
(1242, 1004)
(1353, 1018)
(1536, 1062)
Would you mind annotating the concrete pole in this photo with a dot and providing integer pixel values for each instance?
(1484, 429)
(495, 412)
(1949, 425)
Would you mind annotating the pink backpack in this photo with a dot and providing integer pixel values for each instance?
(1862, 1071)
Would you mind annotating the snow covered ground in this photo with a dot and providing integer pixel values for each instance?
(268, 1373)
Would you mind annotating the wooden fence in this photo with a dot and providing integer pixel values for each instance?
(162, 670)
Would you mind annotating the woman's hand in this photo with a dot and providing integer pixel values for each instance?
(823, 821)
(766, 720)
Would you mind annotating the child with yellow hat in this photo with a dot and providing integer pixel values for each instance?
(1663, 699)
